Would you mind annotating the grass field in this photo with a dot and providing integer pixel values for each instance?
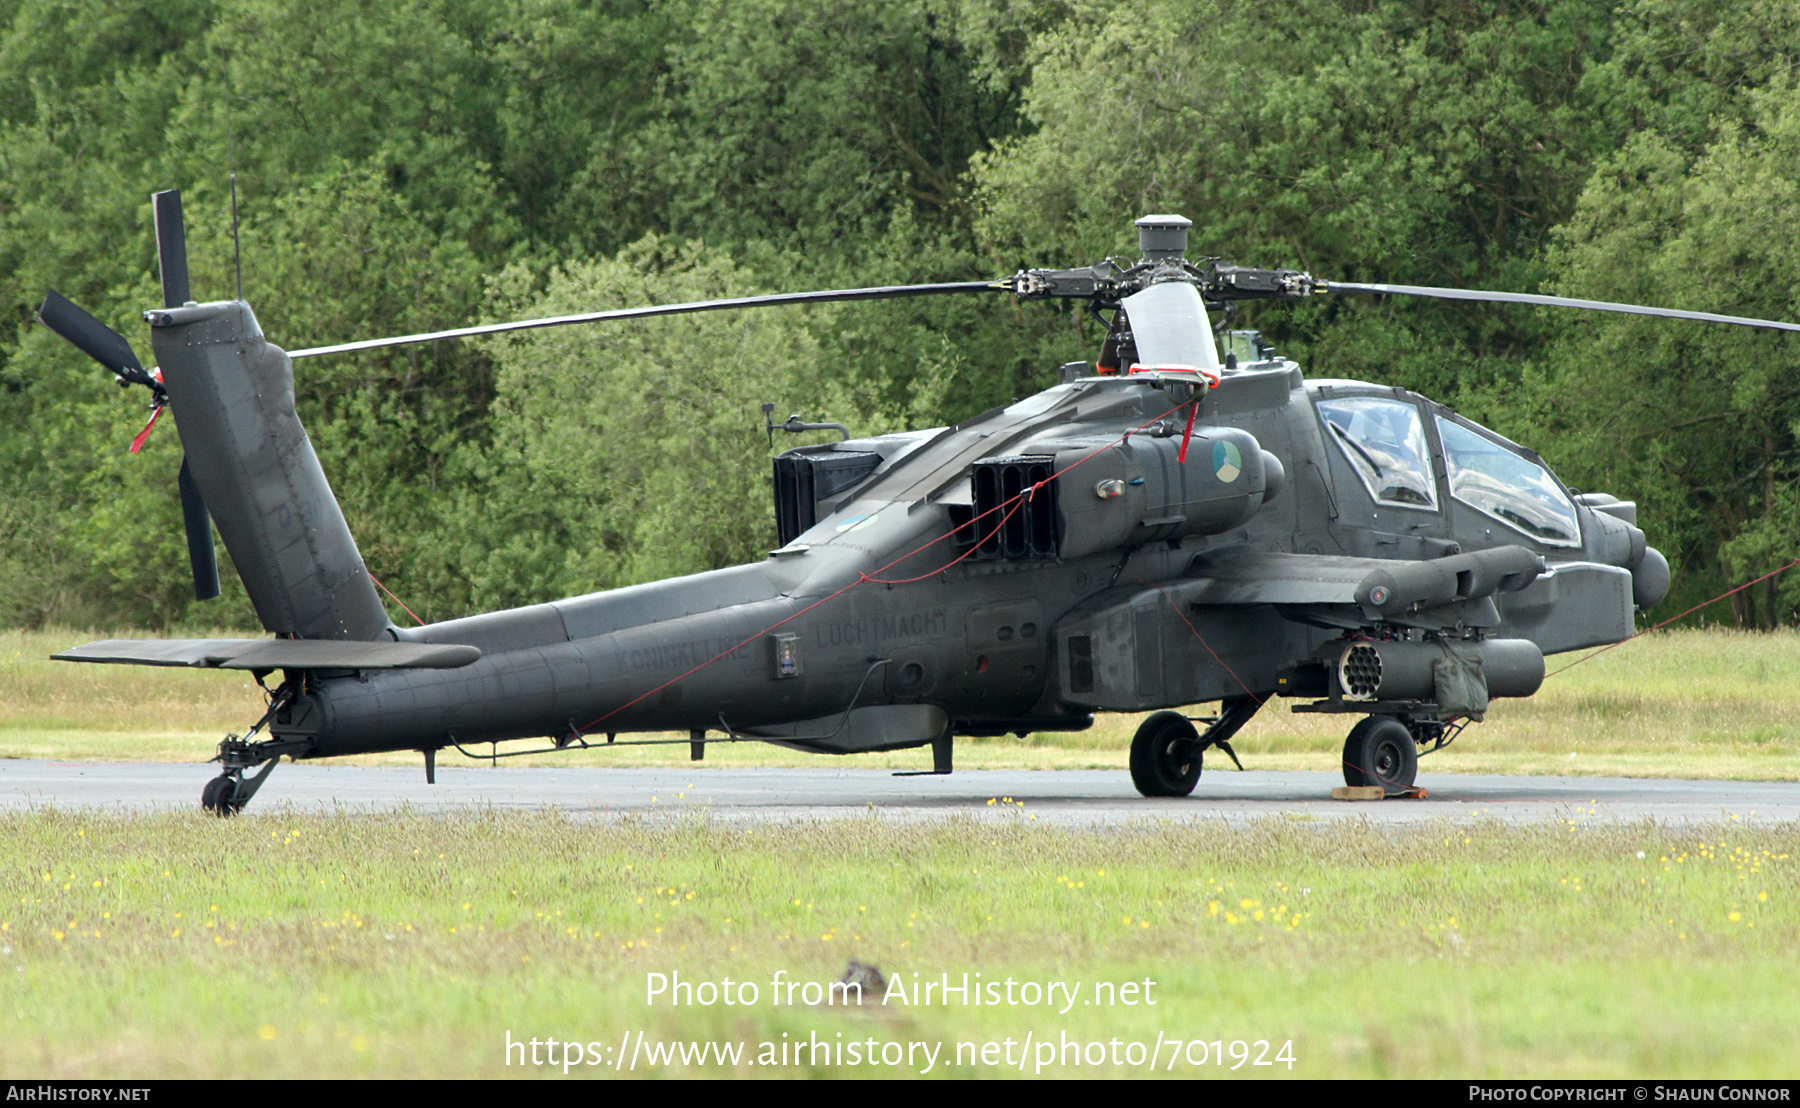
(282, 944)
(401, 945)
(1706, 703)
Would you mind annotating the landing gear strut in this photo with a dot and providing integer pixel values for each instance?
(226, 794)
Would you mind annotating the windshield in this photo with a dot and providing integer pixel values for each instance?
(1519, 493)
(1385, 443)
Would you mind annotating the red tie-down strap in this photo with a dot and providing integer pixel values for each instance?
(1206, 376)
(137, 444)
(1180, 455)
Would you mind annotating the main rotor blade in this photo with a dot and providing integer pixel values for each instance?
(171, 247)
(1554, 302)
(91, 337)
(886, 292)
(198, 524)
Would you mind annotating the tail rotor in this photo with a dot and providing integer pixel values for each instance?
(99, 342)
(171, 247)
(201, 558)
(112, 350)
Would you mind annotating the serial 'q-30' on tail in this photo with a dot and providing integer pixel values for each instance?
(1189, 520)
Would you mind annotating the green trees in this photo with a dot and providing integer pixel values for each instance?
(633, 451)
(1399, 141)
(1701, 422)
(394, 160)
(415, 165)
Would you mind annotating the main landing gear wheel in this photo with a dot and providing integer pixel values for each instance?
(1381, 751)
(1165, 756)
(220, 796)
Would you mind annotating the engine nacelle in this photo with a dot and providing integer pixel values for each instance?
(1141, 491)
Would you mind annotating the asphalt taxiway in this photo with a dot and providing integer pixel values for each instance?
(1054, 797)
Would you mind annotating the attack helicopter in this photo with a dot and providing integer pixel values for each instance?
(1186, 520)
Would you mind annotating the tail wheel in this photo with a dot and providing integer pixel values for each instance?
(1165, 756)
(220, 796)
(1381, 751)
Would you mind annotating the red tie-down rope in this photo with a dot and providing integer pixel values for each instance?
(1212, 380)
(1010, 505)
(1260, 700)
(394, 598)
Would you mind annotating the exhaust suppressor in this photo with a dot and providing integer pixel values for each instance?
(1406, 670)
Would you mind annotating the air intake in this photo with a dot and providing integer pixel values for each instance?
(802, 480)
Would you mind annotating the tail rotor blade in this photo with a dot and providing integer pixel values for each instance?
(92, 337)
(171, 247)
(198, 523)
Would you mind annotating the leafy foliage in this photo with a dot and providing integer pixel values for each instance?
(1702, 422)
(418, 164)
(634, 450)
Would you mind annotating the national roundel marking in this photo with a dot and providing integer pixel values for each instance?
(1227, 462)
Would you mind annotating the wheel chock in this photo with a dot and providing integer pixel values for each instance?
(1358, 792)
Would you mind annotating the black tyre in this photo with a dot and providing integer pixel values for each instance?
(220, 796)
(1165, 756)
(1381, 751)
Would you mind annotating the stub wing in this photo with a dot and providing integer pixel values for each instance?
(1329, 589)
(268, 654)
(1283, 579)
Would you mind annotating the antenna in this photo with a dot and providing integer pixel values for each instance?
(237, 250)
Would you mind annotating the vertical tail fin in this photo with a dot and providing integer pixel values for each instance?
(232, 393)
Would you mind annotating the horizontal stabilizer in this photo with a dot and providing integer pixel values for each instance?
(272, 654)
